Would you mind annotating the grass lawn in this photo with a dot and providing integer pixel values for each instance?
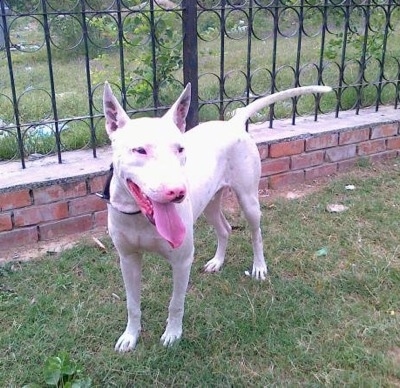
(328, 315)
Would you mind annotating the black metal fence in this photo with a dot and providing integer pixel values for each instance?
(56, 55)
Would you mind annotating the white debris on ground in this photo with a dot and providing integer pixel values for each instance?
(336, 208)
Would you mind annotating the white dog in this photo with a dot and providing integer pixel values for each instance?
(164, 178)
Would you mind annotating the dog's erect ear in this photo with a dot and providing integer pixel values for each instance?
(179, 110)
(113, 112)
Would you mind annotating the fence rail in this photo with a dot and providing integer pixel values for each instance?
(56, 55)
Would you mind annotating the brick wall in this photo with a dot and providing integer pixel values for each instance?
(51, 210)
(300, 160)
(48, 210)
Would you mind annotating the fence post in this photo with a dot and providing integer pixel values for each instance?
(190, 58)
(3, 24)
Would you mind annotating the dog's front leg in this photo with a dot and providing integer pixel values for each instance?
(131, 268)
(180, 274)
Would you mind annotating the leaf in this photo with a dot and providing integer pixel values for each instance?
(82, 383)
(68, 366)
(68, 369)
(322, 252)
(52, 370)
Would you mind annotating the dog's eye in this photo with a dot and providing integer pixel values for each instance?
(140, 150)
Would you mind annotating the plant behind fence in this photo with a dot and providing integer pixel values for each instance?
(58, 54)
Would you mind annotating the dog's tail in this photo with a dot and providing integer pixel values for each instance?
(243, 114)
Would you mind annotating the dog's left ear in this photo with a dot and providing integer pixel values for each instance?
(113, 112)
(179, 110)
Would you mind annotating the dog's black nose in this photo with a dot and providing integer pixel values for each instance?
(175, 194)
(179, 198)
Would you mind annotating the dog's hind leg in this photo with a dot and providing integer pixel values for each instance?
(131, 268)
(216, 218)
(251, 208)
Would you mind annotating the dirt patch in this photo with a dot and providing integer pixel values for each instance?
(269, 196)
(52, 247)
(394, 355)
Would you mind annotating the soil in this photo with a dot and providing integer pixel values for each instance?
(51, 247)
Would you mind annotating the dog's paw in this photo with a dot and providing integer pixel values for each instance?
(213, 265)
(126, 343)
(258, 273)
(170, 336)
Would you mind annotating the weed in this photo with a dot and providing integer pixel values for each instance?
(62, 372)
(363, 162)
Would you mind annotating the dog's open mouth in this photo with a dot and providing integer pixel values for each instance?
(163, 215)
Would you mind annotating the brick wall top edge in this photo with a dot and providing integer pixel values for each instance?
(305, 128)
(48, 169)
(284, 139)
(52, 182)
(263, 139)
(283, 130)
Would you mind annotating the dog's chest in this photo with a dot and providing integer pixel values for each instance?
(133, 232)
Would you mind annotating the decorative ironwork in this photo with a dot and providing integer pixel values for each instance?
(56, 54)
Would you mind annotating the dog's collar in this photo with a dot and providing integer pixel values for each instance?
(106, 190)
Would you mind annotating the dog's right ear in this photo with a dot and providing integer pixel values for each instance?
(179, 110)
(113, 112)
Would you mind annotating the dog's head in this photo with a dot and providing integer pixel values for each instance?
(149, 158)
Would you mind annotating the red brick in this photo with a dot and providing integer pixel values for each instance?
(320, 171)
(100, 218)
(354, 136)
(382, 156)
(307, 160)
(346, 165)
(18, 237)
(5, 222)
(96, 184)
(33, 215)
(287, 148)
(384, 130)
(275, 166)
(227, 194)
(65, 227)
(263, 151)
(393, 143)
(15, 199)
(89, 204)
(322, 142)
(289, 178)
(263, 185)
(59, 192)
(371, 147)
(340, 153)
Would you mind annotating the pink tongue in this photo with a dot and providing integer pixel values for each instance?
(168, 223)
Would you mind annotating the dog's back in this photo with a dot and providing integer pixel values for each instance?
(223, 150)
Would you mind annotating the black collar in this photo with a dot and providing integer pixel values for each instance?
(106, 190)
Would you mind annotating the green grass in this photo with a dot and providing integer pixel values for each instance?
(319, 320)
